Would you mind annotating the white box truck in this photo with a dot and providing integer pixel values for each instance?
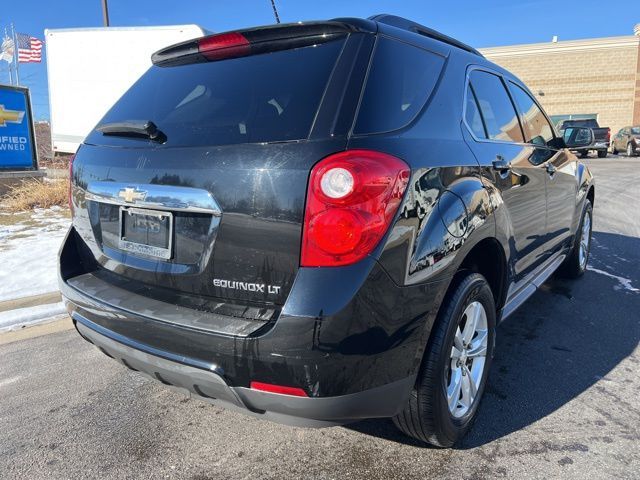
(89, 69)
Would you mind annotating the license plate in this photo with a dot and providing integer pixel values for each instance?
(146, 232)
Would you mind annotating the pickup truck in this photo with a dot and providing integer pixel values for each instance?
(601, 136)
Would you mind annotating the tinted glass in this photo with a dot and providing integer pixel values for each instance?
(635, 130)
(500, 118)
(401, 79)
(472, 115)
(576, 135)
(537, 129)
(590, 122)
(262, 98)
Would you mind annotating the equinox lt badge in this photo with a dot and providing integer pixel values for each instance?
(246, 286)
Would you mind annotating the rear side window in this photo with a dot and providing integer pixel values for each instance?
(401, 79)
(500, 117)
(472, 115)
(262, 98)
(537, 129)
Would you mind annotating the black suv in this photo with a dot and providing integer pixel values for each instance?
(322, 222)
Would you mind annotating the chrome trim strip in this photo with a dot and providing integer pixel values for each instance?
(520, 292)
(159, 197)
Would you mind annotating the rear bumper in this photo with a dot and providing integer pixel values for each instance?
(350, 338)
(210, 385)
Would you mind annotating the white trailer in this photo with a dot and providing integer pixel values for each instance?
(89, 69)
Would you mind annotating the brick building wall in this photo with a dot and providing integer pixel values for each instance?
(598, 76)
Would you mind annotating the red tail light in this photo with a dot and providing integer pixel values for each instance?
(271, 388)
(71, 159)
(608, 134)
(351, 199)
(225, 45)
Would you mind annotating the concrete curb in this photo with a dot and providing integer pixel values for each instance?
(32, 301)
(60, 323)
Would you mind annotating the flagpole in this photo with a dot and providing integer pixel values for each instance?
(9, 63)
(15, 51)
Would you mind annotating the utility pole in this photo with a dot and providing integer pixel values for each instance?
(275, 11)
(105, 13)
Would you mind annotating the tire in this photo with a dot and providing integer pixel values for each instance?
(576, 263)
(630, 150)
(584, 153)
(614, 151)
(602, 153)
(427, 416)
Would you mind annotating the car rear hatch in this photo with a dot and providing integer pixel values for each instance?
(191, 190)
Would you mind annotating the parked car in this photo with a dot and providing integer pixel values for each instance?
(238, 227)
(626, 140)
(601, 136)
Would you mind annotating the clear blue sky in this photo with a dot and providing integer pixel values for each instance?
(481, 23)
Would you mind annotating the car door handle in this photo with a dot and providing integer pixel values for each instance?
(551, 168)
(501, 165)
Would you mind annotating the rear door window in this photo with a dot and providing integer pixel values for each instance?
(400, 81)
(472, 115)
(537, 129)
(262, 98)
(500, 117)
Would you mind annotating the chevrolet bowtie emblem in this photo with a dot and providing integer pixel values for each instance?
(13, 116)
(131, 194)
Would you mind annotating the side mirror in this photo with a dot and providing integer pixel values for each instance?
(576, 137)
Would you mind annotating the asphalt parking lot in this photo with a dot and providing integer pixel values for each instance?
(562, 399)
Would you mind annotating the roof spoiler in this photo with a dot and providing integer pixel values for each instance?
(242, 43)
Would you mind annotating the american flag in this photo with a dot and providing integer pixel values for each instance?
(29, 48)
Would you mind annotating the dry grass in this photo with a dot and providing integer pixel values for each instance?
(36, 194)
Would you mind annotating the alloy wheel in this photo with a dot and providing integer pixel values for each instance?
(585, 240)
(468, 358)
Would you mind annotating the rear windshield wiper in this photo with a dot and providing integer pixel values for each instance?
(136, 128)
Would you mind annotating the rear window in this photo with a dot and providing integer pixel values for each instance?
(401, 79)
(263, 98)
(591, 123)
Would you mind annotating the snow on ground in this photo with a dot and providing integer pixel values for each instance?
(29, 244)
(23, 317)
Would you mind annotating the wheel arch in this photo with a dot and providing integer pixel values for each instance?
(488, 258)
(591, 194)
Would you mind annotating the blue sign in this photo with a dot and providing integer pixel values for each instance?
(17, 145)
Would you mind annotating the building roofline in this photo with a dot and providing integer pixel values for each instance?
(562, 46)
